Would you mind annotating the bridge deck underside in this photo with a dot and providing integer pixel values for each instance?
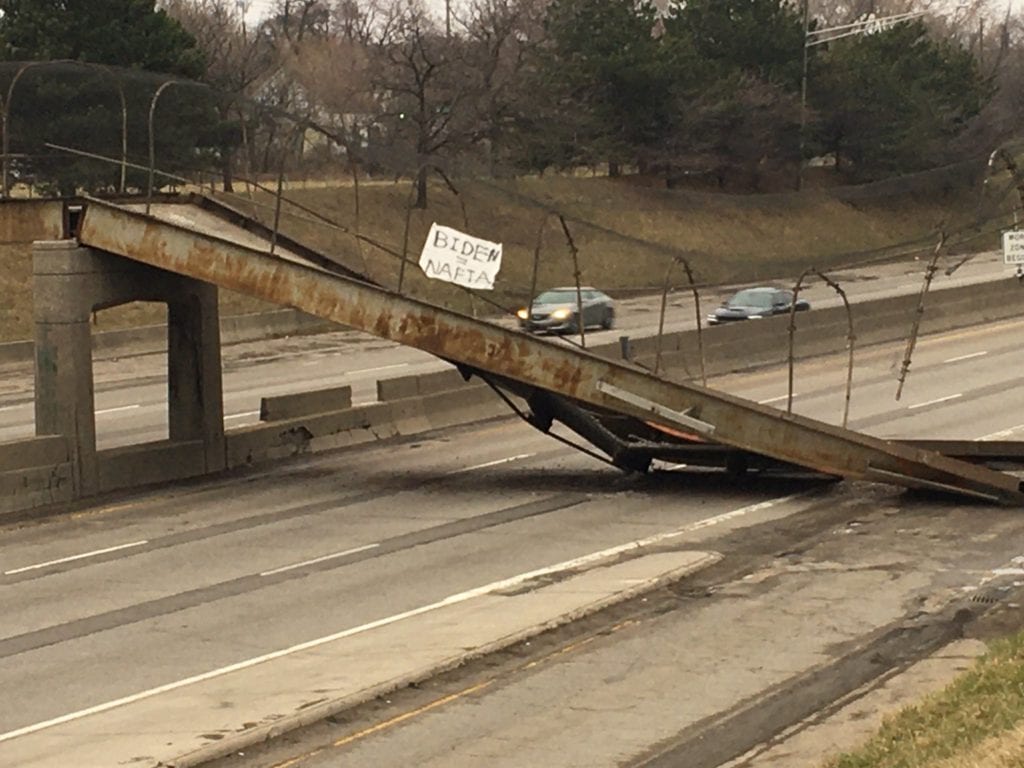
(530, 366)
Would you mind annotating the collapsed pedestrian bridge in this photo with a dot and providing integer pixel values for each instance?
(631, 415)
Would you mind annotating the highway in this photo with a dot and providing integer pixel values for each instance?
(131, 390)
(117, 615)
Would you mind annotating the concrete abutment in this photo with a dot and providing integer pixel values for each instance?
(70, 282)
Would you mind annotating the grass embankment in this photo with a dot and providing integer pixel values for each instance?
(626, 234)
(976, 722)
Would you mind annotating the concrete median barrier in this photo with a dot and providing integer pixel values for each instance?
(311, 433)
(305, 403)
(403, 387)
(756, 343)
(256, 444)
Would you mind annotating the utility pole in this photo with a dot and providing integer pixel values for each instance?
(447, 19)
(981, 43)
(243, 9)
(803, 99)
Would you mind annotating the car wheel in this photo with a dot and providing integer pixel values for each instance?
(609, 320)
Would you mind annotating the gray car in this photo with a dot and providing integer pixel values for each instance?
(755, 303)
(557, 311)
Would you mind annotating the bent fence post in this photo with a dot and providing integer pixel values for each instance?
(580, 317)
(850, 338)
(539, 243)
(279, 194)
(664, 306)
(409, 208)
(152, 141)
(929, 275)
(5, 114)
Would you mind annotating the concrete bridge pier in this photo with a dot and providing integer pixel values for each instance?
(70, 282)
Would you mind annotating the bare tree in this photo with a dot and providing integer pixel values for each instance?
(501, 36)
(1002, 117)
(335, 79)
(238, 62)
(422, 82)
(293, 21)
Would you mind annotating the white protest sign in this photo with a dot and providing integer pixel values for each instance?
(456, 257)
(1013, 247)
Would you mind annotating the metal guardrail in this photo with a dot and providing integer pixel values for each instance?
(592, 392)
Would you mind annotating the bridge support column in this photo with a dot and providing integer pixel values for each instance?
(194, 395)
(71, 282)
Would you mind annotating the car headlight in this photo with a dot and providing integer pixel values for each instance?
(561, 314)
(754, 317)
(522, 314)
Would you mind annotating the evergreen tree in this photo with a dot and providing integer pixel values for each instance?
(891, 102)
(126, 33)
(88, 55)
(763, 38)
(608, 84)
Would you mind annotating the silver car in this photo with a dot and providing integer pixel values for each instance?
(557, 311)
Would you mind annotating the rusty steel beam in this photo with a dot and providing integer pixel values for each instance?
(572, 373)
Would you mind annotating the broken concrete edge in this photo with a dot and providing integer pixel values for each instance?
(317, 432)
(33, 487)
(320, 712)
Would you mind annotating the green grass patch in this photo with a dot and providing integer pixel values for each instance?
(973, 722)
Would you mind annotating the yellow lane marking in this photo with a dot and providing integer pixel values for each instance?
(459, 695)
(413, 713)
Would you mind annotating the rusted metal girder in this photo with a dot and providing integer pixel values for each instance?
(573, 373)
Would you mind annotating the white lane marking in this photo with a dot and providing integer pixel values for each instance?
(119, 408)
(965, 357)
(316, 560)
(82, 556)
(674, 467)
(936, 401)
(494, 463)
(1001, 433)
(242, 415)
(777, 399)
(375, 370)
(455, 599)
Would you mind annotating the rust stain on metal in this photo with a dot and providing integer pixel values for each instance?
(25, 221)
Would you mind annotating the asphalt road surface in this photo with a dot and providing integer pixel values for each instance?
(131, 390)
(118, 605)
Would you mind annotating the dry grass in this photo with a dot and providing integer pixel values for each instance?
(976, 722)
(626, 235)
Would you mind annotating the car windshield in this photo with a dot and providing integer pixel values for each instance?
(758, 299)
(556, 297)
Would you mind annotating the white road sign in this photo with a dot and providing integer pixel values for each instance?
(456, 257)
(1013, 247)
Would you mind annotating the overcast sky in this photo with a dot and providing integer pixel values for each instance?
(258, 9)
